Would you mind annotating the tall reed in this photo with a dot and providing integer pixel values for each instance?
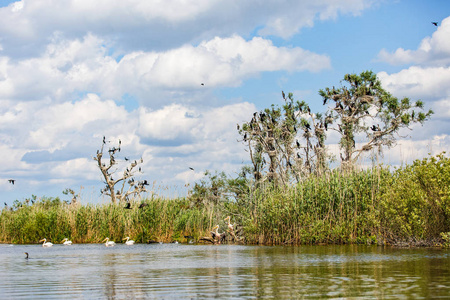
(161, 220)
(409, 205)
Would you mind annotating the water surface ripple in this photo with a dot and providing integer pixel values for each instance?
(176, 271)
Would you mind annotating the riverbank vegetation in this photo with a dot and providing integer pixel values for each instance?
(408, 206)
(288, 195)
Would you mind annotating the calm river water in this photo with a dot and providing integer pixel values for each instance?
(178, 271)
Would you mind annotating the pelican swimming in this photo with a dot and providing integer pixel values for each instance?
(128, 242)
(109, 243)
(45, 244)
(66, 242)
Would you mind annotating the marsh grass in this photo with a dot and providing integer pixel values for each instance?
(161, 220)
(409, 205)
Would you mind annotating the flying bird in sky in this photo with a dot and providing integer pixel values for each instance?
(434, 23)
(12, 181)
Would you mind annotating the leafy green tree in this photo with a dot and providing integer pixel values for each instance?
(364, 108)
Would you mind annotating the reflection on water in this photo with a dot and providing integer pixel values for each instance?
(207, 271)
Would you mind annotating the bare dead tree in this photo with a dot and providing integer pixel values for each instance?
(129, 187)
(285, 143)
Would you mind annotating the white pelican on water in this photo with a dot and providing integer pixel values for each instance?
(66, 242)
(46, 244)
(128, 242)
(109, 243)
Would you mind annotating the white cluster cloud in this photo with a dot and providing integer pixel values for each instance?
(160, 25)
(74, 66)
(432, 51)
(427, 79)
(67, 69)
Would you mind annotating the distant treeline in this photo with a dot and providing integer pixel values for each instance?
(408, 206)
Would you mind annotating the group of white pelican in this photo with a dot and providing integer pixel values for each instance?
(67, 242)
(48, 244)
(109, 243)
(218, 237)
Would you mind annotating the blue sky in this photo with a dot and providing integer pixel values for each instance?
(72, 72)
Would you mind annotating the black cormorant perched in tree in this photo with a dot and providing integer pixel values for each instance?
(128, 206)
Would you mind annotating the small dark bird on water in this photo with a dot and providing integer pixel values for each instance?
(434, 23)
(12, 181)
(27, 255)
(128, 206)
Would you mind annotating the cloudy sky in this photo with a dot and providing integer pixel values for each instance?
(73, 71)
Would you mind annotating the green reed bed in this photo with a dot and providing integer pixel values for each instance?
(410, 205)
(161, 220)
(337, 208)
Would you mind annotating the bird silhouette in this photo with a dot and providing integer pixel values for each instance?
(12, 181)
(375, 128)
(202, 84)
(142, 205)
(434, 23)
(27, 255)
(128, 206)
(191, 168)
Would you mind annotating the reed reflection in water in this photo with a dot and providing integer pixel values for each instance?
(205, 271)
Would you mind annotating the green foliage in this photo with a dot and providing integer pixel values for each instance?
(418, 205)
(162, 220)
(361, 105)
(370, 206)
